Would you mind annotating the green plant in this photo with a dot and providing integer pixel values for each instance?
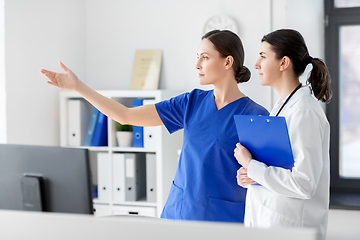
(123, 127)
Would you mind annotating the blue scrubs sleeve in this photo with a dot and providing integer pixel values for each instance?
(255, 109)
(172, 112)
(258, 110)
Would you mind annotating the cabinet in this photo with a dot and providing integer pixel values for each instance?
(108, 163)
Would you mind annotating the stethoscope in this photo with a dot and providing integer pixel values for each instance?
(293, 92)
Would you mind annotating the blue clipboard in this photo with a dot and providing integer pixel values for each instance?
(267, 139)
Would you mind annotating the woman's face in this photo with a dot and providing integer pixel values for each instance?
(210, 64)
(268, 65)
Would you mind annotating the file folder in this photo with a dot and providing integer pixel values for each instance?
(138, 131)
(135, 176)
(91, 127)
(100, 136)
(151, 177)
(119, 177)
(267, 138)
(78, 120)
(151, 134)
(104, 181)
(151, 137)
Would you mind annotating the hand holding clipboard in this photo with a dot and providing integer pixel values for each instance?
(267, 139)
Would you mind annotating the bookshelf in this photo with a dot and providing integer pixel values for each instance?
(166, 154)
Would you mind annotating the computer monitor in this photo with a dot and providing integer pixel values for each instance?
(49, 179)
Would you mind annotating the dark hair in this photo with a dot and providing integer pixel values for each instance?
(228, 43)
(290, 43)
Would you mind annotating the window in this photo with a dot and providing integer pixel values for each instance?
(342, 51)
(3, 134)
(346, 3)
(349, 97)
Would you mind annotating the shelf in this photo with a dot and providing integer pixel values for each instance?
(107, 173)
(97, 201)
(116, 149)
(132, 149)
(97, 149)
(139, 204)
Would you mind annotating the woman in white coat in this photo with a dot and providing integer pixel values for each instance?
(298, 197)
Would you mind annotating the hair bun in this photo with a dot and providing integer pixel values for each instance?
(243, 75)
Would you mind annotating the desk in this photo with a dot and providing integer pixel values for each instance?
(343, 224)
(36, 225)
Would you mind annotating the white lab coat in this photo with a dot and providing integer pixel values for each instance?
(297, 198)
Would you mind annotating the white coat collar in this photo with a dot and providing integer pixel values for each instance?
(303, 91)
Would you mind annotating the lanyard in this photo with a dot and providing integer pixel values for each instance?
(297, 88)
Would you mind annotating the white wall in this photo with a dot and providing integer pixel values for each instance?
(307, 17)
(115, 29)
(39, 33)
(97, 40)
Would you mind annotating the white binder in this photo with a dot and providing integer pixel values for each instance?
(135, 176)
(151, 134)
(78, 120)
(118, 177)
(104, 181)
(151, 177)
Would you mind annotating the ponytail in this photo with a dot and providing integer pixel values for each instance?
(319, 80)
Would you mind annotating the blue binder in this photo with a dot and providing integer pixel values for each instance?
(267, 138)
(91, 128)
(138, 132)
(100, 137)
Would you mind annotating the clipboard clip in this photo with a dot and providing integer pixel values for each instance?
(268, 120)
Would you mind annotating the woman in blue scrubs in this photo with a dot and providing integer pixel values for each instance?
(201, 189)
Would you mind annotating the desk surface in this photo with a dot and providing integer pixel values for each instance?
(55, 226)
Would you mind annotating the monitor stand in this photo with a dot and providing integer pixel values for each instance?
(31, 187)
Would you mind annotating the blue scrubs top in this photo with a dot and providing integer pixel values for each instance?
(205, 185)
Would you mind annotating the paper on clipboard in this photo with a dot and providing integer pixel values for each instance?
(267, 138)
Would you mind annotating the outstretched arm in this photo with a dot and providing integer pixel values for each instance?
(141, 116)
